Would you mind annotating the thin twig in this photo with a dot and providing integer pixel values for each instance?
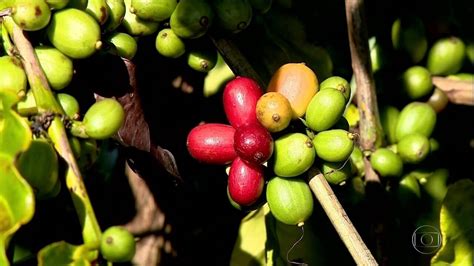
(44, 98)
(338, 217)
(148, 220)
(236, 61)
(149, 217)
(371, 134)
(5, 12)
(458, 92)
(46, 102)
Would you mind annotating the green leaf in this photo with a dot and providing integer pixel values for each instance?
(435, 184)
(457, 225)
(63, 253)
(290, 241)
(6, 42)
(217, 77)
(15, 133)
(296, 244)
(91, 231)
(22, 254)
(17, 203)
(434, 187)
(249, 249)
(352, 112)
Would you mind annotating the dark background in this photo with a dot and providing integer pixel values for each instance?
(205, 225)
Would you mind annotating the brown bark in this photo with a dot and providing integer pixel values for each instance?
(149, 223)
(371, 134)
(236, 60)
(458, 92)
(370, 130)
(338, 217)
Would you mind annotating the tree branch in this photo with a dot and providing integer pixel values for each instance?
(458, 92)
(371, 134)
(236, 61)
(370, 129)
(44, 97)
(149, 217)
(46, 102)
(341, 222)
(149, 223)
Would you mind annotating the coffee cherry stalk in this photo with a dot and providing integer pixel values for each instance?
(290, 137)
(46, 102)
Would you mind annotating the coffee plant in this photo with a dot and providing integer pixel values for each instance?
(278, 115)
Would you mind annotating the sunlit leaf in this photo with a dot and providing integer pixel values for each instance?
(456, 223)
(63, 253)
(17, 203)
(22, 254)
(8, 99)
(294, 244)
(15, 133)
(249, 249)
(435, 184)
(5, 40)
(217, 77)
(262, 240)
(434, 187)
(90, 228)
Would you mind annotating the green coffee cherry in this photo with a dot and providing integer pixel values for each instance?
(202, 60)
(104, 118)
(413, 148)
(416, 117)
(57, 67)
(293, 154)
(117, 244)
(233, 15)
(290, 200)
(136, 26)
(74, 32)
(386, 162)
(338, 83)
(169, 44)
(12, 76)
(416, 82)
(389, 118)
(446, 56)
(334, 145)
(191, 18)
(325, 109)
(337, 173)
(69, 104)
(31, 15)
(153, 10)
(409, 36)
(125, 44)
(116, 11)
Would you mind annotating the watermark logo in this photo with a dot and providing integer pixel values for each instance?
(426, 239)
